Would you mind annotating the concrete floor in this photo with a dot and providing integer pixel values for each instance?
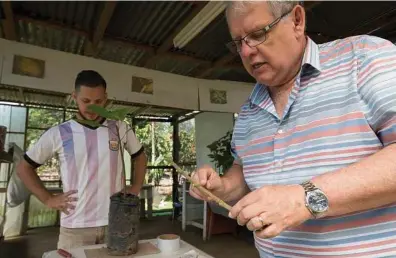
(37, 241)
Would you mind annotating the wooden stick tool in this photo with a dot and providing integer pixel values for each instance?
(202, 189)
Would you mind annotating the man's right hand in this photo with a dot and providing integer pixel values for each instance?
(207, 177)
(62, 202)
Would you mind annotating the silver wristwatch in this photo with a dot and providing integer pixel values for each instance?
(315, 200)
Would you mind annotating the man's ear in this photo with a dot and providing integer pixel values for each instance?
(74, 95)
(299, 20)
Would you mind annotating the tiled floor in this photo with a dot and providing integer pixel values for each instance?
(38, 241)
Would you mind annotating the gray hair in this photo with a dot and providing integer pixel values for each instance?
(277, 8)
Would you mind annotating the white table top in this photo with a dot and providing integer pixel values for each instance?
(184, 248)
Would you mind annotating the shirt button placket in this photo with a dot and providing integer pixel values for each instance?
(277, 153)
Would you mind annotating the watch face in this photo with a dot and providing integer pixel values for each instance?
(317, 201)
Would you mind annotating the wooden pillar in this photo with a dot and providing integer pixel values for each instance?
(176, 159)
(132, 168)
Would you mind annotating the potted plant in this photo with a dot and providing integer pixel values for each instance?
(220, 153)
(122, 238)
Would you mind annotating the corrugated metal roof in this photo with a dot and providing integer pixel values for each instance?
(76, 14)
(216, 73)
(147, 22)
(120, 53)
(158, 112)
(236, 75)
(210, 43)
(177, 66)
(147, 110)
(329, 24)
(237, 60)
(150, 22)
(36, 98)
(33, 97)
(7, 94)
(50, 37)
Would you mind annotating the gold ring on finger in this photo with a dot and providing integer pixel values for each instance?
(262, 221)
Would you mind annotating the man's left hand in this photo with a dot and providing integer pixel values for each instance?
(271, 209)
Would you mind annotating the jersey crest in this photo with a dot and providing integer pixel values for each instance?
(113, 145)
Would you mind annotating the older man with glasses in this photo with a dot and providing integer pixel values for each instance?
(314, 170)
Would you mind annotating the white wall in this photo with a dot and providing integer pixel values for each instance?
(209, 127)
(170, 90)
(237, 93)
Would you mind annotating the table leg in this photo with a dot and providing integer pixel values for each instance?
(150, 203)
(142, 208)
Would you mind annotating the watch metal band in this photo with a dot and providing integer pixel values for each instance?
(308, 186)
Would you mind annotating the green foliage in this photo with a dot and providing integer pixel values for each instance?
(187, 142)
(156, 138)
(220, 153)
(118, 114)
(115, 114)
(44, 118)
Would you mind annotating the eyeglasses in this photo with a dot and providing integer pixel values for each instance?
(254, 38)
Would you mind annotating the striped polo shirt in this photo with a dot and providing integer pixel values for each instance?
(342, 109)
(90, 162)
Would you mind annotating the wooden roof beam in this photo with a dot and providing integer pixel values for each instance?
(107, 12)
(9, 23)
(168, 42)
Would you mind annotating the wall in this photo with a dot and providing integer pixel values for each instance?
(209, 127)
(236, 94)
(169, 89)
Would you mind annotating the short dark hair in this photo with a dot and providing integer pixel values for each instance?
(90, 79)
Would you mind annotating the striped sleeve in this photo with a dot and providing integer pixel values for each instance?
(132, 144)
(376, 84)
(237, 159)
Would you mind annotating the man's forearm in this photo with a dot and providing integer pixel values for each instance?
(140, 165)
(32, 181)
(367, 184)
(235, 184)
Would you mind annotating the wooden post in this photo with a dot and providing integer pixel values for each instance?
(176, 158)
